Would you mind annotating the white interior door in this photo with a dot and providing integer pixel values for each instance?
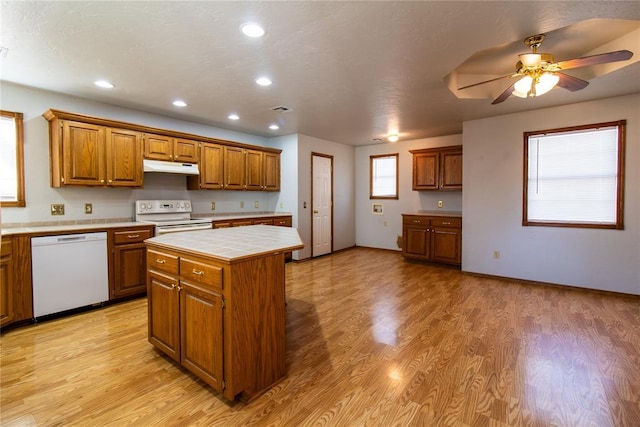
(321, 204)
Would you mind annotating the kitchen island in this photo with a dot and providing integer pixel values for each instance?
(216, 302)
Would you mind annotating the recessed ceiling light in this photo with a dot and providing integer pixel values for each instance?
(263, 81)
(392, 137)
(179, 103)
(233, 117)
(274, 127)
(251, 29)
(104, 84)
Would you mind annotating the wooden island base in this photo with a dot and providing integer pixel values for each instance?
(222, 319)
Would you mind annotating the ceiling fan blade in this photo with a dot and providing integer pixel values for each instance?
(603, 58)
(504, 95)
(571, 83)
(487, 81)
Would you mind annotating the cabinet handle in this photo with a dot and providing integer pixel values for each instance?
(198, 272)
(110, 181)
(160, 261)
(417, 221)
(102, 180)
(445, 223)
(173, 286)
(132, 236)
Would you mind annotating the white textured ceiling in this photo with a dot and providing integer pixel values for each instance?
(351, 71)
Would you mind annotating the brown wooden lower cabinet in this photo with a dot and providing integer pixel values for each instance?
(191, 297)
(16, 295)
(127, 261)
(6, 282)
(432, 238)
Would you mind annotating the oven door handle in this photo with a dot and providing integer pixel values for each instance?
(175, 229)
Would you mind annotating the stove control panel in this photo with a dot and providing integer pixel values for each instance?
(162, 206)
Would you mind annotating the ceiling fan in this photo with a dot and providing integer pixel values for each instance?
(539, 73)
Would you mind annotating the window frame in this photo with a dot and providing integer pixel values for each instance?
(619, 223)
(371, 160)
(18, 119)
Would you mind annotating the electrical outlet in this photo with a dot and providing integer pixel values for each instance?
(439, 203)
(88, 208)
(241, 205)
(496, 254)
(57, 209)
(256, 204)
(213, 206)
(281, 205)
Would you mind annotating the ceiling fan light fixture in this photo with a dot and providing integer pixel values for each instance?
(525, 89)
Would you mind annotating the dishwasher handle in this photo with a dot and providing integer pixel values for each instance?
(64, 239)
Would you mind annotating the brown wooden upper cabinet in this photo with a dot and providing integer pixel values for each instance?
(93, 155)
(251, 169)
(162, 147)
(211, 166)
(437, 168)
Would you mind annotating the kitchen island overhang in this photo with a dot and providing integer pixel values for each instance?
(217, 304)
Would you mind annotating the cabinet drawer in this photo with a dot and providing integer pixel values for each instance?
(416, 220)
(130, 236)
(447, 222)
(194, 271)
(282, 222)
(162, 261)
(263, 221)
(221, 224)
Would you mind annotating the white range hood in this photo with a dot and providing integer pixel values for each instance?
(170, 167)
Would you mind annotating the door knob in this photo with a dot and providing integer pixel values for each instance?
(315, 211)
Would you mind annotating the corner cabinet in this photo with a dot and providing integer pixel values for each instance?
(432, 238)
(437, 168)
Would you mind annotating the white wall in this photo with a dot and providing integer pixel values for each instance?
(343, 192)
(110, 202)
(492, 205)
(370, 229)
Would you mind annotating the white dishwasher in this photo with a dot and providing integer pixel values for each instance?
(69, 271)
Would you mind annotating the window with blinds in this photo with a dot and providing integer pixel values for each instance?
(573, 177)
(383, 176)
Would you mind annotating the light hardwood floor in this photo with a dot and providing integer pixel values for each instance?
(371, 340)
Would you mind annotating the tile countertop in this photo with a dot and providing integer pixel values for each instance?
(455, 214)
(68, 228)
(233, 244)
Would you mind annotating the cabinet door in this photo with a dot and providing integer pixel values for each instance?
(416, 242)
(425, 171)
(6, 283)
(234, 168)
(163, 310)
(158, 147)
(124, 158)
(271, 180)
(83, 151)
(446, 245)
(201, 333)
(254, 170)
(451, 171)
(185, 150)
(129, 270)
(211, 164)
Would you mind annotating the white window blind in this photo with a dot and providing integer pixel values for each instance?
(384, 176)
(572, 177)
(8, 170)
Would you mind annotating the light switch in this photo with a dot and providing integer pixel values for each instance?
(439, 203)
(88, 208)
